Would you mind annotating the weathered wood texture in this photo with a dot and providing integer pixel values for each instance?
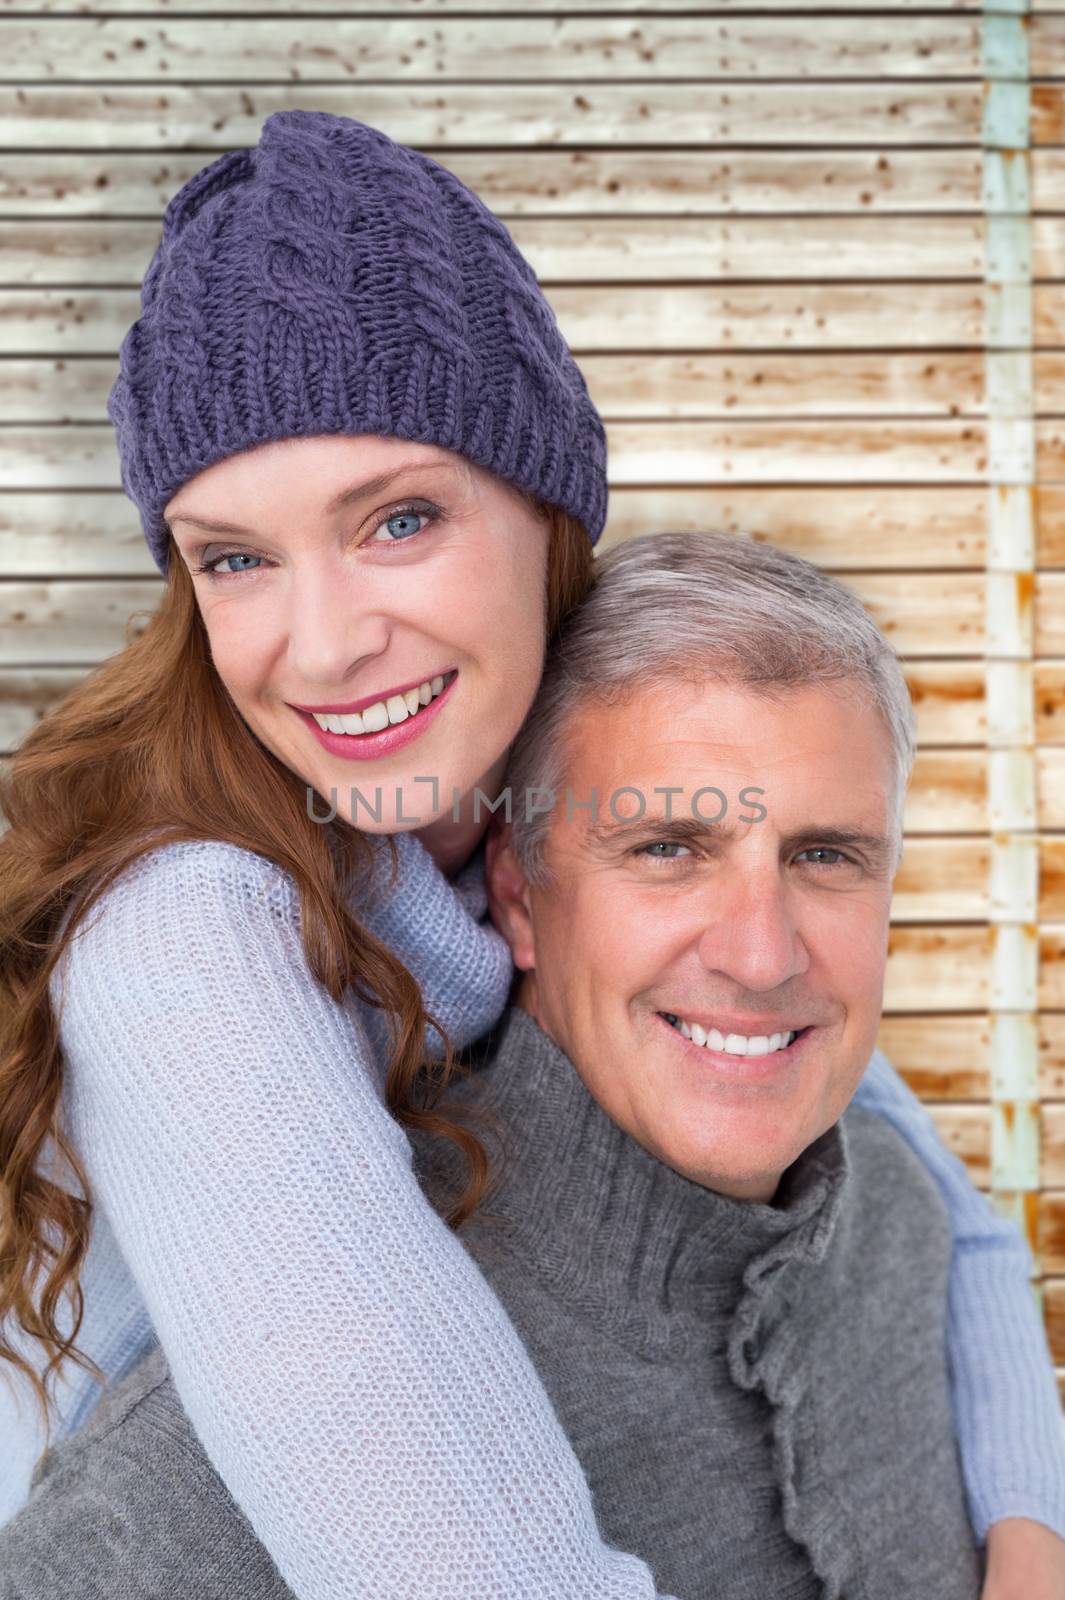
(766, 238)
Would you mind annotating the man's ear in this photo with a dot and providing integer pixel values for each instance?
(508, 895)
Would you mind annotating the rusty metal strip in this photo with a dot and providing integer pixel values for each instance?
(1012, 808)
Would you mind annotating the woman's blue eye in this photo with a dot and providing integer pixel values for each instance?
(401, 525)
(214, 565)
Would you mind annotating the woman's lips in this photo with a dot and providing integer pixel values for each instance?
(372, 746)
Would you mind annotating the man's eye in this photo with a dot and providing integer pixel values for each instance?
(823, 850)
(663, 850)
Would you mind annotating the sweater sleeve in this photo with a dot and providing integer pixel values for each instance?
(346, 1366)
(1006, 1406)
(441, 932)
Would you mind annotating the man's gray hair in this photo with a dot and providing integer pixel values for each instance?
(698, 607)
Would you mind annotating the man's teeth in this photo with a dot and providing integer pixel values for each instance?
(397, 708)
(732, 1044)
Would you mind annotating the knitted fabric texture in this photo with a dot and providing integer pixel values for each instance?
(333, 281)
(345, 1364)
(728, 1373)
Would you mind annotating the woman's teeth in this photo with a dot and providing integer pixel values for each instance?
(732, 1044)
(384, 713)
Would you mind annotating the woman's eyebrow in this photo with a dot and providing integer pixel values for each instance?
(357, 491)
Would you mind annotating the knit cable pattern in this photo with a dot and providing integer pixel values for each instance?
(333, 281)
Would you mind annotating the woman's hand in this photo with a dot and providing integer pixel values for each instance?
(1025, 1561)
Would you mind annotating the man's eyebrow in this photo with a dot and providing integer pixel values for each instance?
(689, 829)
(611, 831)
(357, 491)
(877, 846)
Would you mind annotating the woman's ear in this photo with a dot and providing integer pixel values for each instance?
(508, 896)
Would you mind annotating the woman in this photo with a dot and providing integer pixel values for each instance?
(372, 474)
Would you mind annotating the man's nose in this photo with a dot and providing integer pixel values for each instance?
(750, 932)
(330, 633)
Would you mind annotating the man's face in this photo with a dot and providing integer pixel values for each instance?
(776, 927)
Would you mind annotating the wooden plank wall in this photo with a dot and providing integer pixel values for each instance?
(813, 265)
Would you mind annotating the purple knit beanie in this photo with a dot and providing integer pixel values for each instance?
(333, 281)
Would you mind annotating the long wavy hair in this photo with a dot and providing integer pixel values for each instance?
(96, 785)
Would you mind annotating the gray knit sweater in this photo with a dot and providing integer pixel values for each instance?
(758, 1394)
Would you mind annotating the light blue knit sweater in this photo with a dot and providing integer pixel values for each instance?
(349, 1371)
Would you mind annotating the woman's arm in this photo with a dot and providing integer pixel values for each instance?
(347, 1368)
(1006, 1406)
(439, 931)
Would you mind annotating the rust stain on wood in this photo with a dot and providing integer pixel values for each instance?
(1050, 1235)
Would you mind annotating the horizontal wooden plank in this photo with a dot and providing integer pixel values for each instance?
(1050, 614)
(203, 117)
(1047, 112)
(27, 695)
(1050, 994)
(530, 48)
(924, 614)
(1052, 1056)
(948, 794)
(57, 533)
(943, 880)
(1050, 524)
(604, 250)
(843, 452)
(1050, 449)
(948, 968)
(1050, 787)
(442, 8)
(1048, 314)
(1047, 177)
(71, 623)
(1048, 382)
(517, 183)
(1049, 500)
(1052, 1126)
(941, 1058)
(1046, 44)
(949, 700)
(61, 389)
(1050, 1230)
(1052, 879)
(84, 252)
(629, 317)
(1049, 683)
(841, 528)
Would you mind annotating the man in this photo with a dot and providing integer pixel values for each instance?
(732, 1281)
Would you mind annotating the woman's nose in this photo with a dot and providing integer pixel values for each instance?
(330, 634)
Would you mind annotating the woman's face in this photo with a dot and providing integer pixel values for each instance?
(389, 584)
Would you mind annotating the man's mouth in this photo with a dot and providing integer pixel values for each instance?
(733, 1044)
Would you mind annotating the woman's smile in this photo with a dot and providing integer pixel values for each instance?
(382, 726)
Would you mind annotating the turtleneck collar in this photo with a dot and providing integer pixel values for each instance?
(613, 1228)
